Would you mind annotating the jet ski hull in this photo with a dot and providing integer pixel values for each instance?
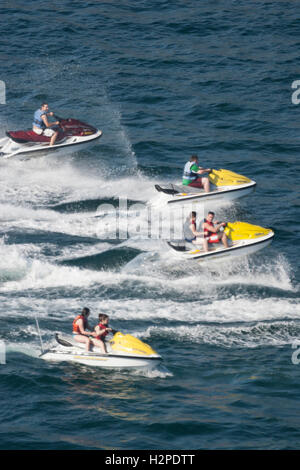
(219, 195)
(101, 360)
(236, 249)
(11, 149)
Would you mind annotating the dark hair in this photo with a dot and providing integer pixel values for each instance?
(193, 158)
(102, 316)
(85, 311)
(193, 214)
(212, 213)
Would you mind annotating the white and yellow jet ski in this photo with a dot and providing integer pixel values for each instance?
(123, 351)
(243, 239)
(225, 185)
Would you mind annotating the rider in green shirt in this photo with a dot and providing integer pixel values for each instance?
(191, 173)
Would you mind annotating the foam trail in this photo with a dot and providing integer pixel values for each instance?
(233, 309)
(275, 334)
(20, 269)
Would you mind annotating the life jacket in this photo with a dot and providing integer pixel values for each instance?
(207, 233)
(102, 327)
(188, 174)
(37, 119)
(76, 327)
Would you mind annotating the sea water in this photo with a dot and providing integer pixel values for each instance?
(163, 80)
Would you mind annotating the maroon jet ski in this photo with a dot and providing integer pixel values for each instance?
(72, 136)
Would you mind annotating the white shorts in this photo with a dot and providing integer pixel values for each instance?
(46, 132)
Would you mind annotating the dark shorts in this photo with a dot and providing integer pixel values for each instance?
(196, 184)
(190, 240)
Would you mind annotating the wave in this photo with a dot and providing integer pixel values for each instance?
(108, 259)
(50, 182)
(22, 267)
(234, 309)
(276, 333)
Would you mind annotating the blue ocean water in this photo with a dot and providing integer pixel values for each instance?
(162, 80)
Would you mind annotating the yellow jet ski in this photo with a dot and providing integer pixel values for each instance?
(123, 351)
(225, 185)
(243, 239)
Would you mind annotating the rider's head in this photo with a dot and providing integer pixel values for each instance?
(210, 215)
(85, 311)
(103, 317)
(194, 158)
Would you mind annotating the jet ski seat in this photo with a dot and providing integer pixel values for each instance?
(24, 137)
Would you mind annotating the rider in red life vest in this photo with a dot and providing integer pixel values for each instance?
(102, 330)
(212, 233)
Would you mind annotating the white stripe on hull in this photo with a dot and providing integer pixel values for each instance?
(229, 194)
(242, 248)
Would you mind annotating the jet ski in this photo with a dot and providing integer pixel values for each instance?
(225, 185)
(123, 351)
(73, 135)
(243, 239)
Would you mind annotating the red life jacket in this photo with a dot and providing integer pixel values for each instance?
(76, 327)
(207, 233)
(102, 327)
(212, 237)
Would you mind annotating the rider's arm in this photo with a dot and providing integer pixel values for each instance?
(100, 331)
(81, 328)
(197, 234)
(47, 123)
(203, 170)
(214, 229)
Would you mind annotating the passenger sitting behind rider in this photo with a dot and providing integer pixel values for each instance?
(190, 233)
